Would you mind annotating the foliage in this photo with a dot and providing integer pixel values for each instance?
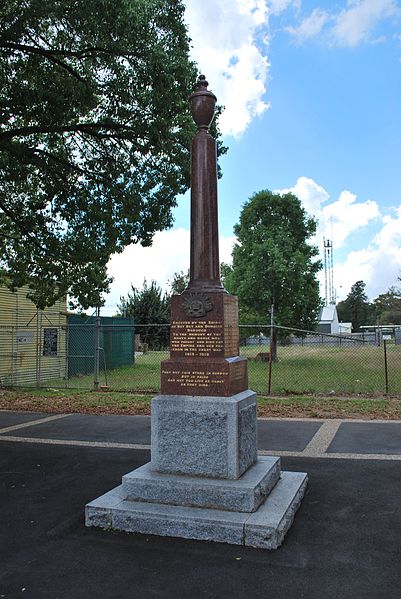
(356, 308)
(148, 306)
(388, 306)
(274, 263)
(94, 136)
(179, 282)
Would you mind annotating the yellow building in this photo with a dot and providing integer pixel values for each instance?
(32, 342)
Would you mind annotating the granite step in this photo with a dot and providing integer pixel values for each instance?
(264, 528)
(244, 494)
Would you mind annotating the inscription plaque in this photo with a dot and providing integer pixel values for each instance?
(204, 350)
(196, 338)
(217, 376)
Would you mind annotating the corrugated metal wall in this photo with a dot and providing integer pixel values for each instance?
(33, 343)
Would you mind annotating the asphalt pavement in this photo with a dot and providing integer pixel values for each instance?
(345, 541)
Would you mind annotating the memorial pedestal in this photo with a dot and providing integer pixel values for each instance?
(204, 480)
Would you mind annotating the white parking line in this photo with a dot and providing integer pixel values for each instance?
(316, 448)
(73, 442)
(296, 454)
(320, 442)
(16, 427)
(340, 456)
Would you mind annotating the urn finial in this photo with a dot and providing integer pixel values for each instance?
(203, 103)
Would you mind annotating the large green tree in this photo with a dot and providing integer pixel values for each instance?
(274, 262)
(356, 307)
(148, 306)
(94, 136)
(388, 306)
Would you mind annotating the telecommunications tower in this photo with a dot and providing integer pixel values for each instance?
(329, 293)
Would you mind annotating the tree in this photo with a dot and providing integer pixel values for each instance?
(388, 306)
(179, 282)
(356, 308)
(274, 263)
(94, 136)
(148, 306)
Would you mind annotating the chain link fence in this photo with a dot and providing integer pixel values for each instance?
(126, 357)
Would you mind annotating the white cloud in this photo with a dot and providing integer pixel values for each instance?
(310, 193)
(168, 254)
(278, 6)
(346, 215)
(336, 220)
(379, 262)
(311, 26)
(224, 34)
(355, 24)
(349, 27)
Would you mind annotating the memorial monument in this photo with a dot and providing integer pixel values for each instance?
(205, 479)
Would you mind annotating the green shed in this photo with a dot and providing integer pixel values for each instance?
(116, 341)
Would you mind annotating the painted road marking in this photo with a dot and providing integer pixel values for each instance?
(16, 427)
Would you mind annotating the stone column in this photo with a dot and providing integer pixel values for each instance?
(204, 255)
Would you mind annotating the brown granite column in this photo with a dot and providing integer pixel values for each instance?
(204, 340)
(205, 265)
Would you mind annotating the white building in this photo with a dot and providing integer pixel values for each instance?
(328, 320)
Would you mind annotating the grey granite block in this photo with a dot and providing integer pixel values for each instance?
(244, 494)
(177, 521)
(267, 527)
(204, 436)
(264, 528)
(247, 435)
(98, 512)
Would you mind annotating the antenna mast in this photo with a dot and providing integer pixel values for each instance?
(329, 294)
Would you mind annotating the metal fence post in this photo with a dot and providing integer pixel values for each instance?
(385, 363)
(97, 350)
(269, 386)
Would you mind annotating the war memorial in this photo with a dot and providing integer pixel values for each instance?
(205, 479)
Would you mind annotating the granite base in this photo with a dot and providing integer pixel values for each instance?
(264, 528)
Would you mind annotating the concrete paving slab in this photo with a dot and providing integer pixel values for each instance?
(118, 429)
(345, 540)
(8, 418)
(367, 438)
(285, 435)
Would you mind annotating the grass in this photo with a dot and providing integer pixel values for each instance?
(300, 370)
(327, 369)
(106, 402)
(319, 381)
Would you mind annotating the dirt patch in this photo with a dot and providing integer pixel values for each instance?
(124, 403)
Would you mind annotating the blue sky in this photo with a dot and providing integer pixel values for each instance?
(312, 91)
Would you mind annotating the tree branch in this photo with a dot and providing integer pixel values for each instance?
(81, 127)
(84, 53)
(48, 54)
